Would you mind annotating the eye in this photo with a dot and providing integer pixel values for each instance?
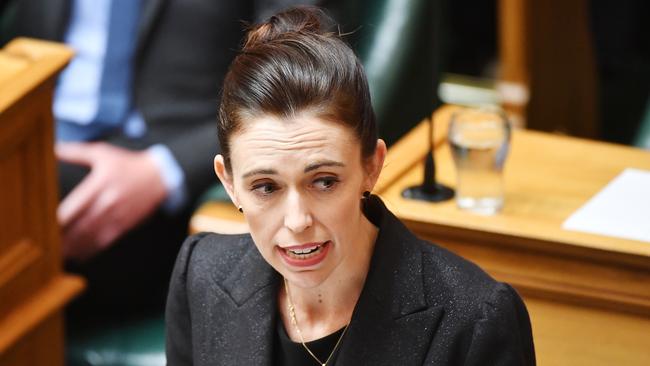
(326, 183)
(264, 188)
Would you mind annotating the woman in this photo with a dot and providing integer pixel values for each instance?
(327, 275)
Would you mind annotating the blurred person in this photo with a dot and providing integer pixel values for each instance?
(134, 115)
(328, 275)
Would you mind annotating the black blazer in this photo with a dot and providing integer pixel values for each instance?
(420, 305)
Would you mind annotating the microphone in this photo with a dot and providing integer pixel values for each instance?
(429, 190)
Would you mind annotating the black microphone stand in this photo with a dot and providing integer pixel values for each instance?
(430, 190)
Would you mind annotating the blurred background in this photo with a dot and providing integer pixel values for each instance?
(578, 68)
(583, 67)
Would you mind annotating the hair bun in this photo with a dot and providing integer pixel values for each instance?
(299, 19)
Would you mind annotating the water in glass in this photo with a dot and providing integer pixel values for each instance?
(479, 142)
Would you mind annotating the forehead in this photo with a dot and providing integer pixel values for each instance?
(272, 141)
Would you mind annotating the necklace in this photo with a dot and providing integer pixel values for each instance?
(292, 314)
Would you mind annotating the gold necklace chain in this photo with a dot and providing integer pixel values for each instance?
(292, 314)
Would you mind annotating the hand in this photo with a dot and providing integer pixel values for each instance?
(122, 189)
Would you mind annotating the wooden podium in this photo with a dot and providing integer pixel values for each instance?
(33, 288)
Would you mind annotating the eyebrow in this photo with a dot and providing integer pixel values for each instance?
(309, 168)
(323, 163)
(260, 171)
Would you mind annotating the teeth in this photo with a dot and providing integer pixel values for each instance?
(304, 250)
(304, 253)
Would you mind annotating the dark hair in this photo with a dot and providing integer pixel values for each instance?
(293, 63)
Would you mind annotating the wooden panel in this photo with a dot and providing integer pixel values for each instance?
(11, 65)
(32, 287)
(42, 346)
(546, 52)
(218, 217)
(28, 184)
(47, 301)
(569, 335)
(513, 57)
(39, 62)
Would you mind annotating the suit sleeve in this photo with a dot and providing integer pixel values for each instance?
(178, 320)
(194, 149)
(502, 336)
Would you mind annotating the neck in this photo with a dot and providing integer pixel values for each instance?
(323, 309)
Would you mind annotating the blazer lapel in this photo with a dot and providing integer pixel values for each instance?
(56, 17)
(392, 322)
(150, 11)
(253, 288)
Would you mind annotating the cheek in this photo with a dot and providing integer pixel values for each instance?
(342, 215)
(263, 224)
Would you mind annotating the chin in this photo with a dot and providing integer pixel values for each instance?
(307, 279)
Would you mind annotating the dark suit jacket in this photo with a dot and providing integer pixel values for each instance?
(420, 305)
(183, 50)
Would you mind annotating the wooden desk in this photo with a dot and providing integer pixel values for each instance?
(588, 295)
(33, 288)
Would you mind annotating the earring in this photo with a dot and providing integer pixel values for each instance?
(366, 194)
(240, 209)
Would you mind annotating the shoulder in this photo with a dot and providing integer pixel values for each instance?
(212, 253)
(483, 318)
(444, 274)
(451, 272)
(213, 243)
(461, 283)
(449, 280)
(486, 317)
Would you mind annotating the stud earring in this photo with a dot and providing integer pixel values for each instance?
(240, 209)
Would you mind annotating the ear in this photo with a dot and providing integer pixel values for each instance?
(374, 165)
(225, 178)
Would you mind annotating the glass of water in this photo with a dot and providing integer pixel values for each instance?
(479, 139)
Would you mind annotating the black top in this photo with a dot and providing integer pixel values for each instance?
(289, 353)
(420, 305)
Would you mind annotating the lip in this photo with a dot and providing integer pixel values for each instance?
(304, 262)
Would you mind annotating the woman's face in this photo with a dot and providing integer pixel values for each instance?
(299, 183)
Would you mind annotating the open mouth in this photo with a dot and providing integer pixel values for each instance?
(306, 254)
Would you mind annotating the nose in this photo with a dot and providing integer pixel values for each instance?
(297, 217)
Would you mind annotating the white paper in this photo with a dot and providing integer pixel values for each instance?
(621, 209)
